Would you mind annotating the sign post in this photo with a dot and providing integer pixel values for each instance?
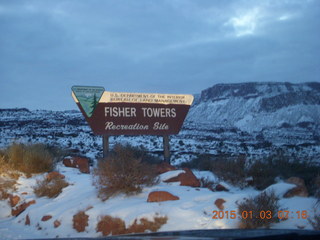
(118, 113)
(105, 147)
(166, 148)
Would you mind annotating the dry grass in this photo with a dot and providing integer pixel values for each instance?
(115, 226)
(122, 172)
(49, 188)
(6, 185)
(29, 159)
(7, 177)
(262, 207)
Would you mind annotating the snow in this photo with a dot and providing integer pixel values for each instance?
(170, 174)
(280, 189)
(192, 211)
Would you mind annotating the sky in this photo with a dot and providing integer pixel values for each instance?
(152, 46)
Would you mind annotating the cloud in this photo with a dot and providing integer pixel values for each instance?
(169, 46)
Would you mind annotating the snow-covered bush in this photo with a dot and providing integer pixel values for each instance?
(123, 172)
(259, 211)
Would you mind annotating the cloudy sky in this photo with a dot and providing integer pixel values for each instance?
(164, 46)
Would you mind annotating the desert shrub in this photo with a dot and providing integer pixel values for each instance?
(6, 185)
(262, 173)
(142, 154)
(261, 210)
(4, 164)
(265, 171)
(231, 170)
(33, 158)
(116, 226)
(50, 188)
(15, 154)
(37, 159)
(122, 172)
(202, 162)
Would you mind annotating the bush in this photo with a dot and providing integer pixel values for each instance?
(264, 172)
(228, 168)
(142, 154)
(50, 188)
(37, 159)
(15, 154)
(5, 186)
(123, 172)
(235, 169)
(4, 164)
(116, 226)
(202, 162)
(262, 207)
(34, 158)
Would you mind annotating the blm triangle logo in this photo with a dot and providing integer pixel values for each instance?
(88, 97)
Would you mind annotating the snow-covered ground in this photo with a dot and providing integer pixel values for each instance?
(194, 209)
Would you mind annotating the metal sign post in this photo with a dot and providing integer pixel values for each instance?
(166, 148)
(105, 145)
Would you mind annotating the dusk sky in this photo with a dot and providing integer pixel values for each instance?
(156, 46)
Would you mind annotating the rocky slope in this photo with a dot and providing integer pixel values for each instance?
(257, 106)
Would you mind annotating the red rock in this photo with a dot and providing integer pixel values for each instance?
(186, 179)
(81, 163)
(221, 188)
(14, 200)
(296, 192)
(80, 221)
(219, 203)
(68, 163)
(165, 167)
(56, 223)
(295, 180)
(300, 190)
(27, 222)
(54, 175)
(161, 196)
(20, 208)
(46, 218)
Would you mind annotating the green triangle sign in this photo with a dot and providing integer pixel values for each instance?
(88, 97)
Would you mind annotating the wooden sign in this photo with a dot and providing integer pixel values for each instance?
(117, 113)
